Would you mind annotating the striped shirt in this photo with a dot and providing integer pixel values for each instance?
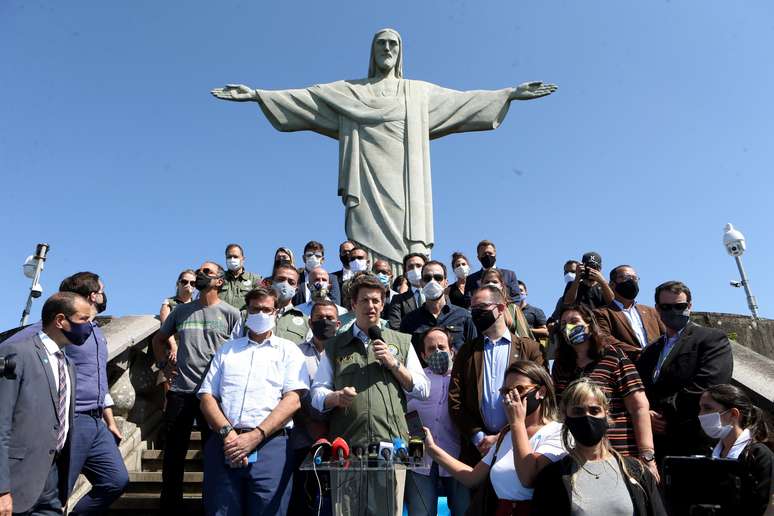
(618, 378)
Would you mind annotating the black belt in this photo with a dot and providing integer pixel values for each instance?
(95, 412)
(282, 431)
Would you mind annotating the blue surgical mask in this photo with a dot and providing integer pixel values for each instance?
(384, 279)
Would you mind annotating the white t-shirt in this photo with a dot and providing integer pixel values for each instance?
(547, 441)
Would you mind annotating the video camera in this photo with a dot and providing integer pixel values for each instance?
(7, 368)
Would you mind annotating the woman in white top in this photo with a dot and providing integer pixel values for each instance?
(726, 413)
(534, 434)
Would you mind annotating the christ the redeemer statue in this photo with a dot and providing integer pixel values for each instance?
(384, 125)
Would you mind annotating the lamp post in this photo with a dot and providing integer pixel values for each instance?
(33, 266)
(735, 245)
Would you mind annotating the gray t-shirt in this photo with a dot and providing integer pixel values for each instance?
(200, 330)
(603, 496)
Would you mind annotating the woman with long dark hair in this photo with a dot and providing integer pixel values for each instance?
(456, 291)
(726, 413)
(593, 479)
(584, 352)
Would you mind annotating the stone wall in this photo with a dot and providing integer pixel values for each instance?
(755, 335)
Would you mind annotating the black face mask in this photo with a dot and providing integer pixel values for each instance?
(487, 261)
(483, 319)
(675, 320)
(202, 281)
(323, 329)
(532, 402)
(587, 430)
(101, 307)
(344, 260)
(627, 289)
(78, 332)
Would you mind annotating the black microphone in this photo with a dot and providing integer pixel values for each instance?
(373, 454)
(375, 332)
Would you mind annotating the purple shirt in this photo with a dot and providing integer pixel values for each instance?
(90, 361)
(434, 413)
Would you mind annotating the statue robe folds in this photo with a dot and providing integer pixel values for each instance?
(384, 149)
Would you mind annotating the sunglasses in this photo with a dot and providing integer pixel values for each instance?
(427, 278)
(185, 283)
(522, 390)
(210, 272)
(673, 307)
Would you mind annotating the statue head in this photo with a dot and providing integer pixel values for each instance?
(386, 53)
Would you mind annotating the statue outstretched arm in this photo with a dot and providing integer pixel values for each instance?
(235, 92)
(532, 90)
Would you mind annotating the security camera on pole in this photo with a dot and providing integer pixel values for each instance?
(734, 242)
(33, 266)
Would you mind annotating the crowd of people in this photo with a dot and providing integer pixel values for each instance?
(573, 413)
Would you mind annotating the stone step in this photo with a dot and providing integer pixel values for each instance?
(150, 482)
(148, 503)
(153, 460)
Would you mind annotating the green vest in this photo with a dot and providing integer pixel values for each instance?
(234, 288)
(378, 411)
(292, 325)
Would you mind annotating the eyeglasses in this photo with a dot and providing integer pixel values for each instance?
(673, 307)
(210, 272)
(185, 283)
(427, 278)
(522, 390)
(627, 277)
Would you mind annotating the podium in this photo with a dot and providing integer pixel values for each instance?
(366, 487)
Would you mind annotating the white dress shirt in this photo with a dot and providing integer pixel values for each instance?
(51, 349)
(634, 320)
(306, 308)
(323, 380)
(737, 448)
(249, 379)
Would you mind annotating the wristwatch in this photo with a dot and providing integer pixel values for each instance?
(396, 366)
(648, 456)
(224, 431)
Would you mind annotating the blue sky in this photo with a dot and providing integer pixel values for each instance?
(113, 151)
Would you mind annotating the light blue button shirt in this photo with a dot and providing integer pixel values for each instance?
(668, 345)
(496, 359)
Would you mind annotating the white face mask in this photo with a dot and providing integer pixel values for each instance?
(233, 264)
(461, 271)
(569, 277)
(712, 426)
(312, 262)
(260, 322)
(414, 276)
(284, 291)
(358, 265)
(433, 290)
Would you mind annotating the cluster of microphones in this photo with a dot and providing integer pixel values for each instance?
(338, 452)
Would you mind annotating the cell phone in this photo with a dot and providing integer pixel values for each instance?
(415, 425)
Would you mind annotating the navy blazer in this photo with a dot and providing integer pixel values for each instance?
(29, 424)
(334, 293)
(471, 282)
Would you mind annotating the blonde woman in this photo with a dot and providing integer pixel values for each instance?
(593, 479)
(530, 442)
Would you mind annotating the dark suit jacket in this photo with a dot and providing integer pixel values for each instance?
(400, 305)
(471, 283)
(612, 321)
(29, 424)
(701, 357)
(337, 278)
(465, 388)
(300, 297)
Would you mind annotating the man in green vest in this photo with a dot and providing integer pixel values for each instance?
(363, 383)
(237, 281)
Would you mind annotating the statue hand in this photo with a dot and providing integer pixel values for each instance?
(235, 92)
(532, 90)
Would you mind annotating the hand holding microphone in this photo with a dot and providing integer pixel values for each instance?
(381, 351)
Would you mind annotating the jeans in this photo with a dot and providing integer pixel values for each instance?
(182, 408)
(422, 493)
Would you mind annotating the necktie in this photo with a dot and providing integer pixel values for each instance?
(62, 407)
(420, 297)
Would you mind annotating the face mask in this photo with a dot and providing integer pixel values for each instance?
(522, 299)
(712, 426)
(384, 279)
(312, 262)
(433, 290)
(358, 265)
(487, 261)
(78, 332)
(576, 333)
(532, 401)
(233, 264)
(202, 281)
(319, 290)
(414, 276)
(627, 289)
(439, 362)
(101, 307)
(260, 322)
(675, 320)
(284, 291)
(482, 319)
(344, 260)
(323, 329)
(569, 277)
(587, 430)
(461, 271)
